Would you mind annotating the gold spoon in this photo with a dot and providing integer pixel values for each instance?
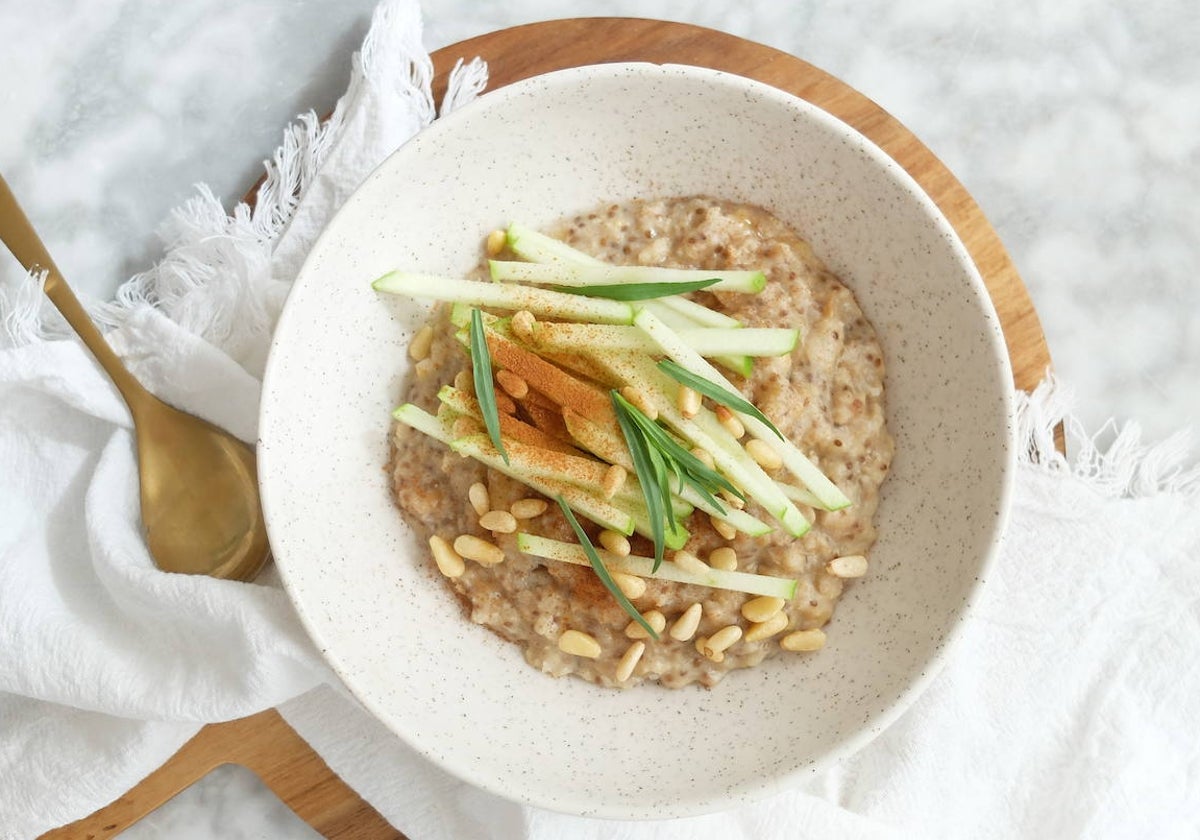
(200, 508)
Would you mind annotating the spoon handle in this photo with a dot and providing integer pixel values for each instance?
(22, 240)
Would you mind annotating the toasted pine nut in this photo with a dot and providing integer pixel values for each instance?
(522, 325)
(425, 368)
(463, 426)
(730, 421)
(722, 527)
(639, 401)
(803, 640)
(418, 348)
(761, 608)
(513, 385)
(477, 494)
(629, 660)
(465, 382)
(614, 480)
(688, 401)
(498, 522)
(849, 566)
(722, 640)
(738, 503)
(704, 457)
(763, 454)
(723, 558)
(448, 562)
(480, 550)
(496, 241)
(689, 562)
(768, 628)
(654, 618)
(685, 626)
(578, 643)
(528, 508)
(701, 648)
(632, 586)
(615, 542)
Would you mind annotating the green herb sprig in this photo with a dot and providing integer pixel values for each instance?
(600, 569)
(485, 389)
(636, 291)
(657, 457)
(715, 392)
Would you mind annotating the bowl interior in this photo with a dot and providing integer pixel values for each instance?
(537, 151)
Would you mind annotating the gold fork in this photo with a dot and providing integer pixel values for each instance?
(199, 490)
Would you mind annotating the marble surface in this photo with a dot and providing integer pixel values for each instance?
(1074, 124)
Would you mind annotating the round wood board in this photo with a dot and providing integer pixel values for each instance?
(264, 742)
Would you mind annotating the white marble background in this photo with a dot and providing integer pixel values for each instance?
(1074, 123)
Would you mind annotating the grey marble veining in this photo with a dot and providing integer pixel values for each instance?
(1075, 124)
(230, 803)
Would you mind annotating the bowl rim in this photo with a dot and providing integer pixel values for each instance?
(749, 791)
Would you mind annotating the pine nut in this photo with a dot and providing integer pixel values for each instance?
(498, 522)
(850, 566)
(765, 630)
(418, 348)
(465, 382)
(723, 558)
(704, 457)
(478, 495)
(803, 640)
(701, 647)
(685, 626)
(496, 241)
(578, 643)
(690, 563)
(731, 423)
(528, 508)
(463, 426)
(688, 401)
(615, 542)
(614, 480)
(733, 499)
(513, 385)
(722, 527)
(761, 608)
(522, 325)
(629, 660)
(638, 400)
(425, 368)
(722, 640)
(480, 550)
(654, 618)
(632, 586)
(763, 454)
(448, 562)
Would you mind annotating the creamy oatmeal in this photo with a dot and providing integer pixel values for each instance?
(826, 396)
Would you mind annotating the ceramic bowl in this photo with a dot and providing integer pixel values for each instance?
(537, 151)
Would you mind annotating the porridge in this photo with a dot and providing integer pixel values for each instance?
(825, 396)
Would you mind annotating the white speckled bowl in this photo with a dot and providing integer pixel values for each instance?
(537, 151)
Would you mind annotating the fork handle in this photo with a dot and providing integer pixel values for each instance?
(22, 240)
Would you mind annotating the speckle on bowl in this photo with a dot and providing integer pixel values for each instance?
(537, 151)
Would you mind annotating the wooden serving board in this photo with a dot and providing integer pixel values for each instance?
(264, 742)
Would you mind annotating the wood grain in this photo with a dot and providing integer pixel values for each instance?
(264, 742)
(523, 51)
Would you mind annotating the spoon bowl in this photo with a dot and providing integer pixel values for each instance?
(199, 487)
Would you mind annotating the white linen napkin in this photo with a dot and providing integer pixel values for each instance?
(1066, 709)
